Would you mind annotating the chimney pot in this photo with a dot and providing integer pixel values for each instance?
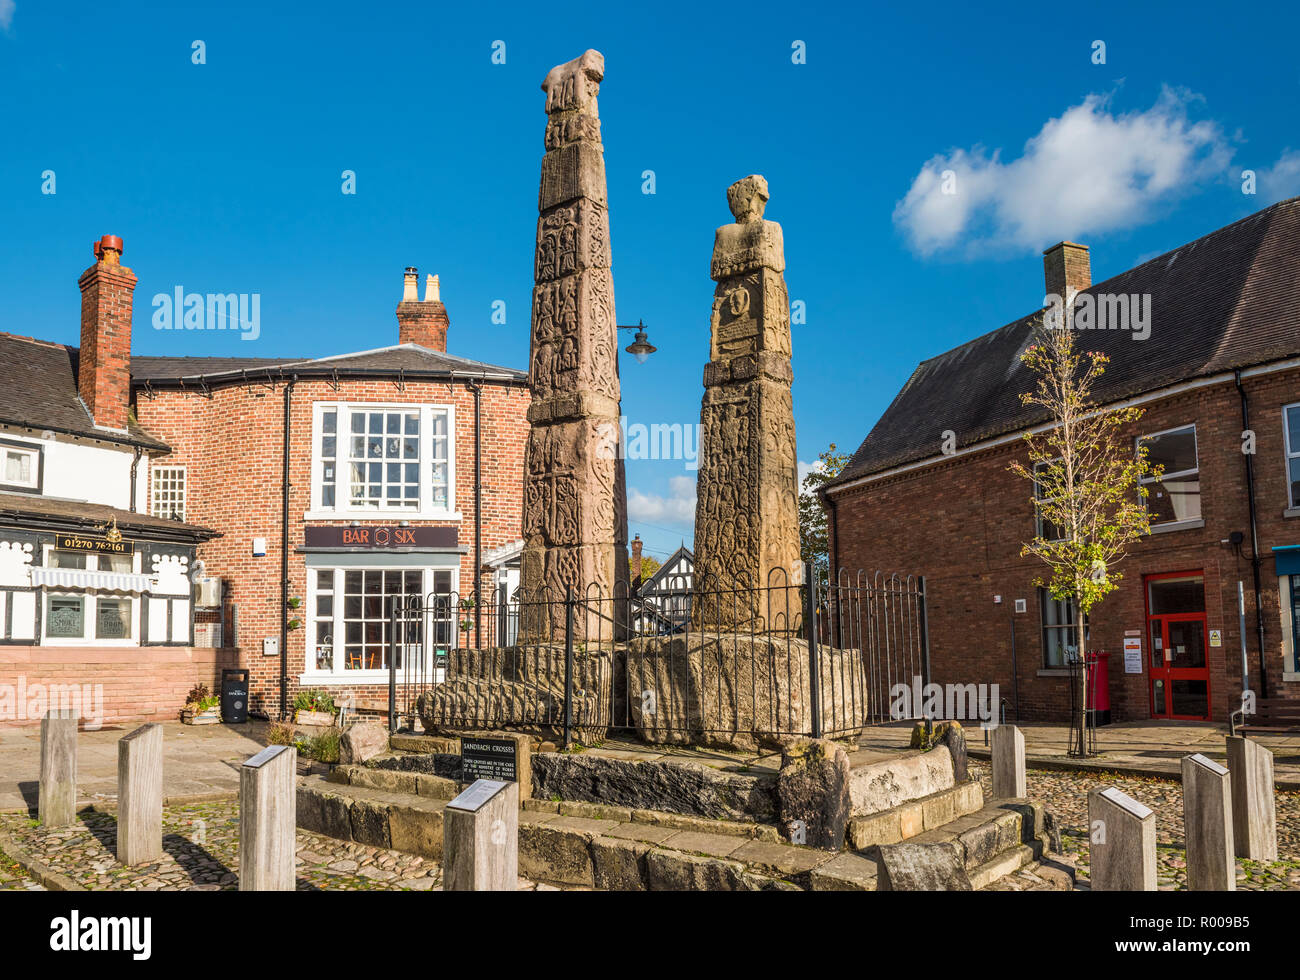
(424, 324)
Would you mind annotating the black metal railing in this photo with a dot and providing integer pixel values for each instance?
(692, 663)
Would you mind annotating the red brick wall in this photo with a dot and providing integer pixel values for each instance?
(137, 683)
(231, 444)
(961, 524)
(104, 367)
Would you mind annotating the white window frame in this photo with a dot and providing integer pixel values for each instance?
(34, 451)
(1038, 517)
(169, 470)
(1290, 453)
(425, 510)
(1199, 519)
(338, 674)
(90, 610)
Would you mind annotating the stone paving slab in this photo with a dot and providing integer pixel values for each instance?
(198, 760)
(714, 845)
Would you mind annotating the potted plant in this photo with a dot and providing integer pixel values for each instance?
(314, 707)
(202, 707)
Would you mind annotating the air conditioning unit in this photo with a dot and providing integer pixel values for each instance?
(209, 592)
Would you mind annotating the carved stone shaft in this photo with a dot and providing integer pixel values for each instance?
(575, 501)
(747, 513)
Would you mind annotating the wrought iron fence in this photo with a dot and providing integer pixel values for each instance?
(693, 663)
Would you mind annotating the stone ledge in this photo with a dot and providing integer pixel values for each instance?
(575, 849)
(906, 821)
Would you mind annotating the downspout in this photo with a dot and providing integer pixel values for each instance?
(477, 388)
(135, 465)
(1254, 537)
(284, 560)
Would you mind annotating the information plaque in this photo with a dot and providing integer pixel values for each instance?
(488, 758)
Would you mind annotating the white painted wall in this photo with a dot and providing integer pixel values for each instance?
(95, 474)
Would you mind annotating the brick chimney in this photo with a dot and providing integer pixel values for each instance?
(636, 553)
(1066, 269)
(424, 323)
(104, 365)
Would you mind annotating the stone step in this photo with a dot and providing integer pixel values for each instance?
(914, 817)
(985, 846)
(608, 854)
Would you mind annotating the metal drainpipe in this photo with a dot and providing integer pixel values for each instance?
(135, 466)
(1254, 538)
(284, 561)
(477, 388)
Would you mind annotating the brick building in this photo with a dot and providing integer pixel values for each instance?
(339, 483)
(928, 492)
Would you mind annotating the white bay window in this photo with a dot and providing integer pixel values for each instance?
(382, 460)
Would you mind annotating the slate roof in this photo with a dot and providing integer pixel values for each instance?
(409, 359)
(1228, 300)
(19, 508)
(38, 388)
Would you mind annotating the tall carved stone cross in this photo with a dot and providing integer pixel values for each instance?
(747, 510)
(575, 513)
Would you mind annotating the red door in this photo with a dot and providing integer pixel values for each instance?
(1178, 639)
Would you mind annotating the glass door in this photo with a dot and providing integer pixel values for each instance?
(1180, 675)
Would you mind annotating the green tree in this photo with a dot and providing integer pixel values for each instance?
(814, 539)
(1086, 480)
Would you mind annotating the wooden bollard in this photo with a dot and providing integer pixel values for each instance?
(480, 838)
(1121, 843)
(140, 796)
(1254, 809)
(268, 811)
(1008, 751)
(57, 801)
(1207, 826)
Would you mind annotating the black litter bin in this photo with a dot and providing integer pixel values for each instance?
(234, 697)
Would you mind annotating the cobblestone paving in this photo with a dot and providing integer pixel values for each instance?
(13, 878)
(1066, 795)
(200, 845)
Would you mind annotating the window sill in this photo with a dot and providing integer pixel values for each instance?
(1055, 672)
(1177, 526)
(364, 678)
(1291, 512)
(1290, 677)
(382, 516)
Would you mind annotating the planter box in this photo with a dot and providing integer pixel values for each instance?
(210, 717)
(323, 719)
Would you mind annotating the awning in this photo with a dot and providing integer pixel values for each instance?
(1288, 559)
(77, 578)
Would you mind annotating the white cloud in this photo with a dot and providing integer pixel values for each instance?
(1086, 172)
(1281, 180)
(676, 509)
(6, 13)
(805, 468)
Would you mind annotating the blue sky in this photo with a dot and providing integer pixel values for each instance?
(226, 176)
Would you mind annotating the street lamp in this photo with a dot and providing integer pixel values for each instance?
(640, 347)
